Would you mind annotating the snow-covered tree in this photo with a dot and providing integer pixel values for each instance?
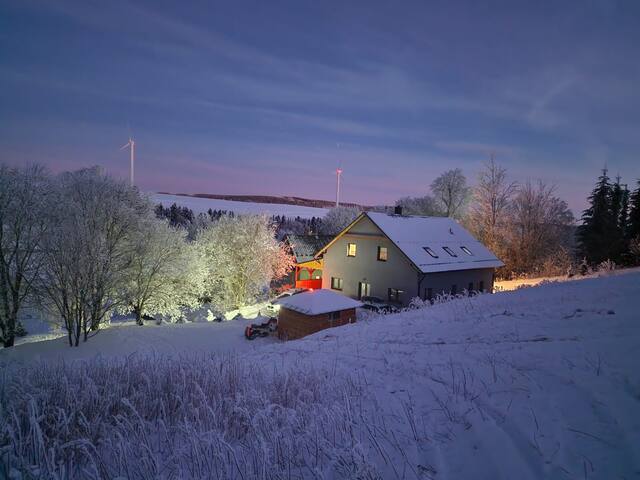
(451, 192)
(427, 206)
(165, 273)
(337, 219)
(23, 222)
(243, 257)
(85, 249)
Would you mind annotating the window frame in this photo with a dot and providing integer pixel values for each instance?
(306, 272)
(335, 280)
(450, 251)
(430, 251)
(466, 250)
(355, 250)
(386, 254)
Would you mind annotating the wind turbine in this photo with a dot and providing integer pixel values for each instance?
(338, 173)
(132, 146)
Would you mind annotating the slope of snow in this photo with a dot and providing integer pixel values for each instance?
(199, 205)
(542, 382)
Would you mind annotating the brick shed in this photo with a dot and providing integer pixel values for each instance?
(310, 312)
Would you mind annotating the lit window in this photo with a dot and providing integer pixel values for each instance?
(430, 252)
(336, 283)
(449, 251)
(382, 254)
(466, 250)
(351, 249)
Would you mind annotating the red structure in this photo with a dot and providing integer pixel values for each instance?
(308, 277)
(308, 270)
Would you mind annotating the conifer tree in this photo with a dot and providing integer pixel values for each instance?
(633, 223)
(623, 218)
(619, 219)
(598, 222)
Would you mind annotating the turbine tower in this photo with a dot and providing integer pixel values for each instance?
(132, 152)
(338, 173)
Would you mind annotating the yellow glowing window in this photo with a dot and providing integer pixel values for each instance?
(382, 254)
(351, 250)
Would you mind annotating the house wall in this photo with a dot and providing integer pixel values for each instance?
(442, 282)
(397, 272)
(292, 324)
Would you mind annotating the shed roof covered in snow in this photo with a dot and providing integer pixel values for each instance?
(317, 302)
(432, 244)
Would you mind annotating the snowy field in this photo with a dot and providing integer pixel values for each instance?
(203, 204)
(541, 382)
(506, 285)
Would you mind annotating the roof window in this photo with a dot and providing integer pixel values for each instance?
(449, 251)
(430, 252)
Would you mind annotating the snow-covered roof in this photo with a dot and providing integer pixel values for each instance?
(317, 302)
(413, 235)
(304, 247)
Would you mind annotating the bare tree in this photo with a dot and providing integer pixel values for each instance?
(538, 226)
(85, 250)
(23, 222)
(491, 199)
(451, 192)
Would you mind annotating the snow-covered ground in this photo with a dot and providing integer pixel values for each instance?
(203, 204)
(506, 285)
(536, 383)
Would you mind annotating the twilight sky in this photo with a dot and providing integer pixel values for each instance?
(267, 97)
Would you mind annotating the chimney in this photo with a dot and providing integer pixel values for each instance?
(398, 210)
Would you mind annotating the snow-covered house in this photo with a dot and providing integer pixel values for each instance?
(398, 257)
(309, 312)
(308, 270)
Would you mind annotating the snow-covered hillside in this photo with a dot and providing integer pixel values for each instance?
(537, 383)
(203, 204)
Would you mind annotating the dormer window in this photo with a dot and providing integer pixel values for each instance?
(430, 252)
(449, 251)
(466, 250)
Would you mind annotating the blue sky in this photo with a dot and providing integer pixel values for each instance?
(268, 97)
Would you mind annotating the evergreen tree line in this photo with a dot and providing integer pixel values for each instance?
(610, 229)
(184, 217)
